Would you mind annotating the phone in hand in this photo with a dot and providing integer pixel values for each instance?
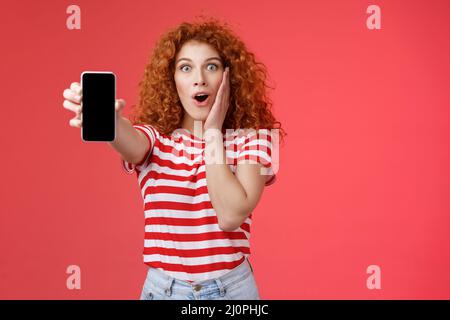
(98, 106)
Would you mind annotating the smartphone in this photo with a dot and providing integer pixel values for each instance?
(98, 106)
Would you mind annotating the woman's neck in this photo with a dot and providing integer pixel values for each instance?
(195, 127)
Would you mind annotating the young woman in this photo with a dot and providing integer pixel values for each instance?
(201, 145)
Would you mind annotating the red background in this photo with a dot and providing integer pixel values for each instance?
(364, 174)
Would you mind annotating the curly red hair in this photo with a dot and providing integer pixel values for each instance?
(159, 104)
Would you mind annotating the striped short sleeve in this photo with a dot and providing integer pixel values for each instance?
(150, 134)
(257, 148)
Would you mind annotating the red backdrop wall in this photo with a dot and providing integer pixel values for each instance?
(364, 173)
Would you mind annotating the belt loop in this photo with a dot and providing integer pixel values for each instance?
(221, 287)
(169, 286)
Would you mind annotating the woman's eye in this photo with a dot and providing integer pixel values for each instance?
(183, 68)
(212, 64)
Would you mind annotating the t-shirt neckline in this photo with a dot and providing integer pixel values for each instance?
(190, 135)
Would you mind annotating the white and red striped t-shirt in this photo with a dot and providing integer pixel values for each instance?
(182, 235)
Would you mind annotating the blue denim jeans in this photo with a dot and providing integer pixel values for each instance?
(237, 284)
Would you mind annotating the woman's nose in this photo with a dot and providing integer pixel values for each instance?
(200, 78)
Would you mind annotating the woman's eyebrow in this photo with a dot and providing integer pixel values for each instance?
(212, 58)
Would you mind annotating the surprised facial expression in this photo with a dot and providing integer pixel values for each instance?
(198, 74)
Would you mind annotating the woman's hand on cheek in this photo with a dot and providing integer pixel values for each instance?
(216, 116)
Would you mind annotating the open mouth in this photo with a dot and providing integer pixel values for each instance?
(201, 97)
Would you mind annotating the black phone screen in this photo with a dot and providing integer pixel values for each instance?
(98, 110)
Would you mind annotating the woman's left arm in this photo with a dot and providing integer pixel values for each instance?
(233, 196)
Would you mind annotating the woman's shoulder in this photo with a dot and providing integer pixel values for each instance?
(147, 127)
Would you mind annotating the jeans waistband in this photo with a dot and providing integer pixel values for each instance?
(234, 275)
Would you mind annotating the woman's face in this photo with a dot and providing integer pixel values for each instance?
(198, 68)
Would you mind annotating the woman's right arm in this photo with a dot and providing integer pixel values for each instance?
(130, 143)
